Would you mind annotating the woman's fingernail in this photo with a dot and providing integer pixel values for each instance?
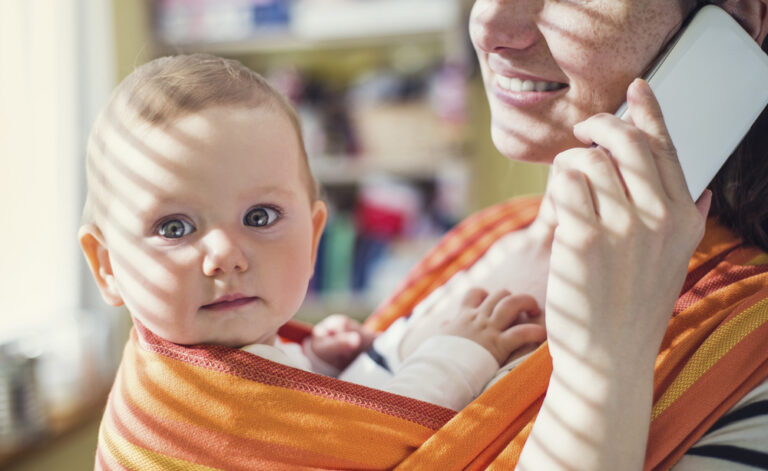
(642, 87)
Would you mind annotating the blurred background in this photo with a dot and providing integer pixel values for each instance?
(396, 125)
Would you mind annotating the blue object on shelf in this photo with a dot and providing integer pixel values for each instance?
(271, 13)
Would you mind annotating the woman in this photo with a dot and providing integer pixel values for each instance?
(617, 222)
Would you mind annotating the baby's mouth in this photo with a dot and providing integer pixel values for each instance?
(226, 304)
(519, 85)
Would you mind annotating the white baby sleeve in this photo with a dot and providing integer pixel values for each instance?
(445, 370)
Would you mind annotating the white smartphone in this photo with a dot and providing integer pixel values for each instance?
(712, 84)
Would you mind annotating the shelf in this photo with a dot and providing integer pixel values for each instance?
(316, 25)
(344, 170)
(278, 42)
(357, 19)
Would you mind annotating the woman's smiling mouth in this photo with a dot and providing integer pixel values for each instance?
(519, 85)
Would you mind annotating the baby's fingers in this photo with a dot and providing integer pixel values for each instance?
(474, 297)
(522, 334)
(508, 309)
(332, 325)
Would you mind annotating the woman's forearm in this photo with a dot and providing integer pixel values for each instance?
(593, 418)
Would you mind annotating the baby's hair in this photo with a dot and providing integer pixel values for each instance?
(168, 88)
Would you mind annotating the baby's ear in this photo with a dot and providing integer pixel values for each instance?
(97, 255)
(319, 218)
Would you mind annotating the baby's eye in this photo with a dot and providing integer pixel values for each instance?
(175, 229)
(261, 216)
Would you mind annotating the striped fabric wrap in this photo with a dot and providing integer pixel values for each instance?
(210, 407)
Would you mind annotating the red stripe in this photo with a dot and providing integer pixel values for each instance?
(702, 270)
(719, 279)
(295, 331)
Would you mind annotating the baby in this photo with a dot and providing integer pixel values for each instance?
(203, 218)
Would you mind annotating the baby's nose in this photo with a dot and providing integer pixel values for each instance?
(223, 254)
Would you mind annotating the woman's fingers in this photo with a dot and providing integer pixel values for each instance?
(704, 203)
(630, 150)
(605, 187)
(646, 115)
(574, 204)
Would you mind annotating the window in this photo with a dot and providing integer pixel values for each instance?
(56, 71)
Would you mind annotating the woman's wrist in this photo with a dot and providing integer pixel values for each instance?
(601, 411)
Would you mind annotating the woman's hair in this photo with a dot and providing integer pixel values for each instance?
(168, 88)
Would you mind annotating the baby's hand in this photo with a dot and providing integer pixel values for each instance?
(337, 340)
(499, 322)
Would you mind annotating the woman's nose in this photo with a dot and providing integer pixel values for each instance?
(499, 25)
(223, 254)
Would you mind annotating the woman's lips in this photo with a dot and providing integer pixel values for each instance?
(517, 88)
(230, 302)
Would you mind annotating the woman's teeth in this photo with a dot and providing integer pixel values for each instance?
(517, 85)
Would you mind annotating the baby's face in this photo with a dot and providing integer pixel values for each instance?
(211, 231)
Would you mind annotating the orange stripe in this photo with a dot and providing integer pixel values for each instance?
(487, 418)
(504, 452)
(718, 239)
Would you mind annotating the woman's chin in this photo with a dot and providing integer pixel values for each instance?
(531, 149)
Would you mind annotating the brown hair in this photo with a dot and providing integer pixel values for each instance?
(740, 189)
(168, 88)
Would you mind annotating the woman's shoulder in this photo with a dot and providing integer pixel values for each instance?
(737, 440)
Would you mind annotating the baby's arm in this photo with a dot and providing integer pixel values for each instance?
(337, 340)
(451, 367)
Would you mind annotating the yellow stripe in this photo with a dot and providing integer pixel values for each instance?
(761, 259)
(135, 457)
(714, 348)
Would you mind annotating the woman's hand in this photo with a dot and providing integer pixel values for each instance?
(625, 230)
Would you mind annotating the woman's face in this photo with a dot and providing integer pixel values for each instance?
(549, 64)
